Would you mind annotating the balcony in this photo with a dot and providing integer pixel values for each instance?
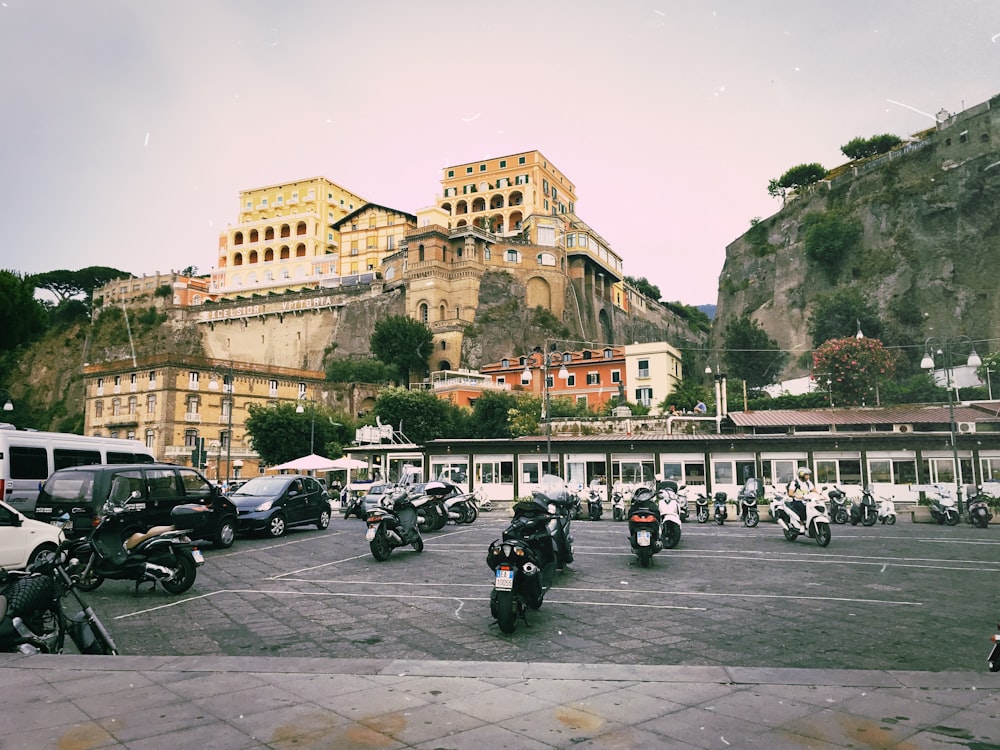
(192, 417)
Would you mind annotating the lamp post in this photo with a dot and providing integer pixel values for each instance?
(312, 425)
(227, 387)
(721, 395)
(549, 359)
(8, 405)
(943, 347)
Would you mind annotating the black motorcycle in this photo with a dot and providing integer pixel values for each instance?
(122, 548)
(32, 616)
(432, 515)
(524, 562)
(979, 509)
(994, 660)
(393, 525)
(865, 512)
(701, 508)
(354, 505)
(747, 502)
(644, 526)
(719, 508)
(838, 505)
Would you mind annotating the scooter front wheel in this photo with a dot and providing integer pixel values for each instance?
(890, 520)
(702, 516)
(822, 534)
(751, 519)
(951, 519)
(869, 519)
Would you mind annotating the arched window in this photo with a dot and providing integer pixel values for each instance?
(269, 234)
(300, 228)
(238, 238)
(285, 252)
(420, 252)
(300, 251)
(286, 230)
(254, 235)
(252, 258)
(238, 259)
(269, 255)
(422, 312)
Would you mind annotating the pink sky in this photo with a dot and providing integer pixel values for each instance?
(129, 127)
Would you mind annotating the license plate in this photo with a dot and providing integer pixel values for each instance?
(504, 579)
(198, 557)
(643, 538)
(370, 534)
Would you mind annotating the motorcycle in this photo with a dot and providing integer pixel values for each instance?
(644, 525)
(595, 504)
(943, 508)
(994, 660)
(811, 519)
(887, 511)
(838, 505)
(354, 505)
(701, 508)
(430, 509)
(393, 525)
(682, 502)
(32, 616)
(747, 501)
(979, 509)
(719, 508)
(121, 548)
(670, 517)
(617, 505)
(461, 508)
(865, 512)
(524, 563)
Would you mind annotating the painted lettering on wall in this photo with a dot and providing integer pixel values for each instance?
(262, 309)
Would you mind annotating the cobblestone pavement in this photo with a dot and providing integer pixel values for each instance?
(905, 597)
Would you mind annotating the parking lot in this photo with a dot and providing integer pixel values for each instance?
(904, 597)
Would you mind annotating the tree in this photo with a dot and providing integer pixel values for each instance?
(686, 396)
(403, 342)
(650, 290)
(279, 433)
(829, 237)
(853, 368)
(358, 370)
(839, 313)
(801, 176)
(420, 415)
(491, 413)
(751, 354)
(861, 148)
(65, 284)
(22, 317)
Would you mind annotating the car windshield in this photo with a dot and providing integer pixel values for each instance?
(262, 486)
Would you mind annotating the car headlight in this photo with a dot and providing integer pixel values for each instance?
(265, 506)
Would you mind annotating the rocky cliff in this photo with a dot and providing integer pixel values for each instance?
(926, 255)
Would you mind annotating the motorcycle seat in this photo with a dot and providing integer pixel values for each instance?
(138, 538)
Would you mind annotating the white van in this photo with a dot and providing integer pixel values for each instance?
(27, 458)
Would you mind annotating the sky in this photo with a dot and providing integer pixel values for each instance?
(128, 128)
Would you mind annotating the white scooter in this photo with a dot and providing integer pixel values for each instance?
(670, 512)
(887, 511)
(815, 525)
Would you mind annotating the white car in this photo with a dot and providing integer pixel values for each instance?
(22, 538)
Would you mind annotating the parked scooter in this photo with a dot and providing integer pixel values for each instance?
(838, 505)
(617, 505)
(943, 508)
(682, 502)
(719, 511)
(353, 504)
(121, 548)
(747, 502)
(595, 503)
(523, 562)
(670, 517)
(887, 511)
(994, 660)
(644, 524)
(865, 511)
(32, 615)
(809, 518)
(393, 525)
(430, 509)
(979, 509)
(701, 507)
(461, 508)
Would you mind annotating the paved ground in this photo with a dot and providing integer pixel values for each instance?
(735, 639)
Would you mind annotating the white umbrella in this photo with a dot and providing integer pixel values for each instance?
(312, 462)
(346, 462)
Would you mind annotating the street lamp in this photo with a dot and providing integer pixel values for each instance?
(721, 395)
(312, 426)
(933, 347)
(549, 359)
(8, 405)
(226, 406)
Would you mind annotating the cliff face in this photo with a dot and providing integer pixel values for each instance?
(928, 252)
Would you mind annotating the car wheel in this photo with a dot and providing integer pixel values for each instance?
(276, 526)
(225, 535)
(324, 520)
(42, 549)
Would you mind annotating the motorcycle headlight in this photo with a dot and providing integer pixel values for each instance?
(265, 506)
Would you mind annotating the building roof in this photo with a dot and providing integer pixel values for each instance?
(337, 224)
(862, 416)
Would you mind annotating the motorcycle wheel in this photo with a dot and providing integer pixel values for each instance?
(869, 519)
(645, 556)
(791, 534)
(720, 519)
(187, 571)
(951, 519)
(890, 520)
(840, 516)
(418, 544)
(440, 521)
(45, 621)
(380, 546)
(822, 534)
(472, 514)
(671, 537)
(90, 583)
(994, 661)
(506, 607)
(751, 519)
(424, 523)
(702, 515)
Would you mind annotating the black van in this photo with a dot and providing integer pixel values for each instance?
(80, 493)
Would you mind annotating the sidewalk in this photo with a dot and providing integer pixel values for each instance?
(73, 702)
